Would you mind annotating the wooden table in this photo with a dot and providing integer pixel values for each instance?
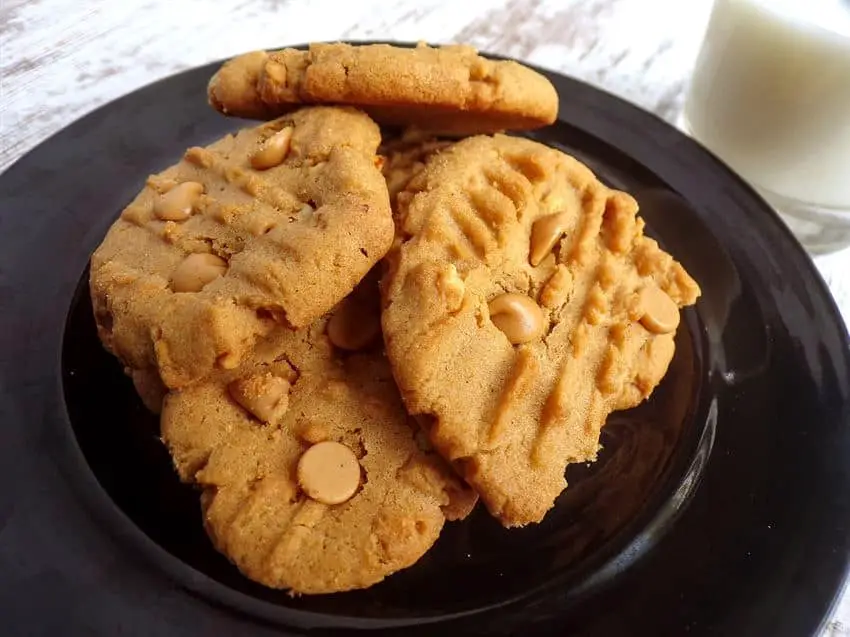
(60, 59)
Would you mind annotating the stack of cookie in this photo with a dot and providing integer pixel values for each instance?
(352, 333)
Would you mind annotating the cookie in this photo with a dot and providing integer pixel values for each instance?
(270, 226)
(149, 387)
(522, 305)
(313, 480)
(449, 89)
(404, 157)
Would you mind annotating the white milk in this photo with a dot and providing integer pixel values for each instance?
(770, 95)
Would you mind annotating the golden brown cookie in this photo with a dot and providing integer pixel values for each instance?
(523, 304)
(271, 226)
(449, 89)
(149, 387)
(404, 157)
(312, 477)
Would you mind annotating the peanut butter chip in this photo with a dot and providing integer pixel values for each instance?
(196, 271)
(264, 395)
(351, 330)
(659, 314)
(329, 472)
(451, 288)
(518, 316)
(177, 204)
(273, 151)
(545, 233)
(228, 360)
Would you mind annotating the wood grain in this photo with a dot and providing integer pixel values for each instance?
(60, 59)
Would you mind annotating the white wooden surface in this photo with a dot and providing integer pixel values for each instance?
(59, 59)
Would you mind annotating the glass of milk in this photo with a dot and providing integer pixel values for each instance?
(770, 95)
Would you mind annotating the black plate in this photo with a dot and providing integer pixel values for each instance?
(720, 507)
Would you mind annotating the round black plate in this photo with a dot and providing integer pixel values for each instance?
(720, 507)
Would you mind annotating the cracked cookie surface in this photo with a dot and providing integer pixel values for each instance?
(297, 419)
(449, 89)
(522, 304)
(273, 225)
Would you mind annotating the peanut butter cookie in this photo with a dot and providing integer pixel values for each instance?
(449, 89)
(312, 476)
(522, 305)
(270, 226)
(404, 157)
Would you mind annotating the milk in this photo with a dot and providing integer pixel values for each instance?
(770, 95)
